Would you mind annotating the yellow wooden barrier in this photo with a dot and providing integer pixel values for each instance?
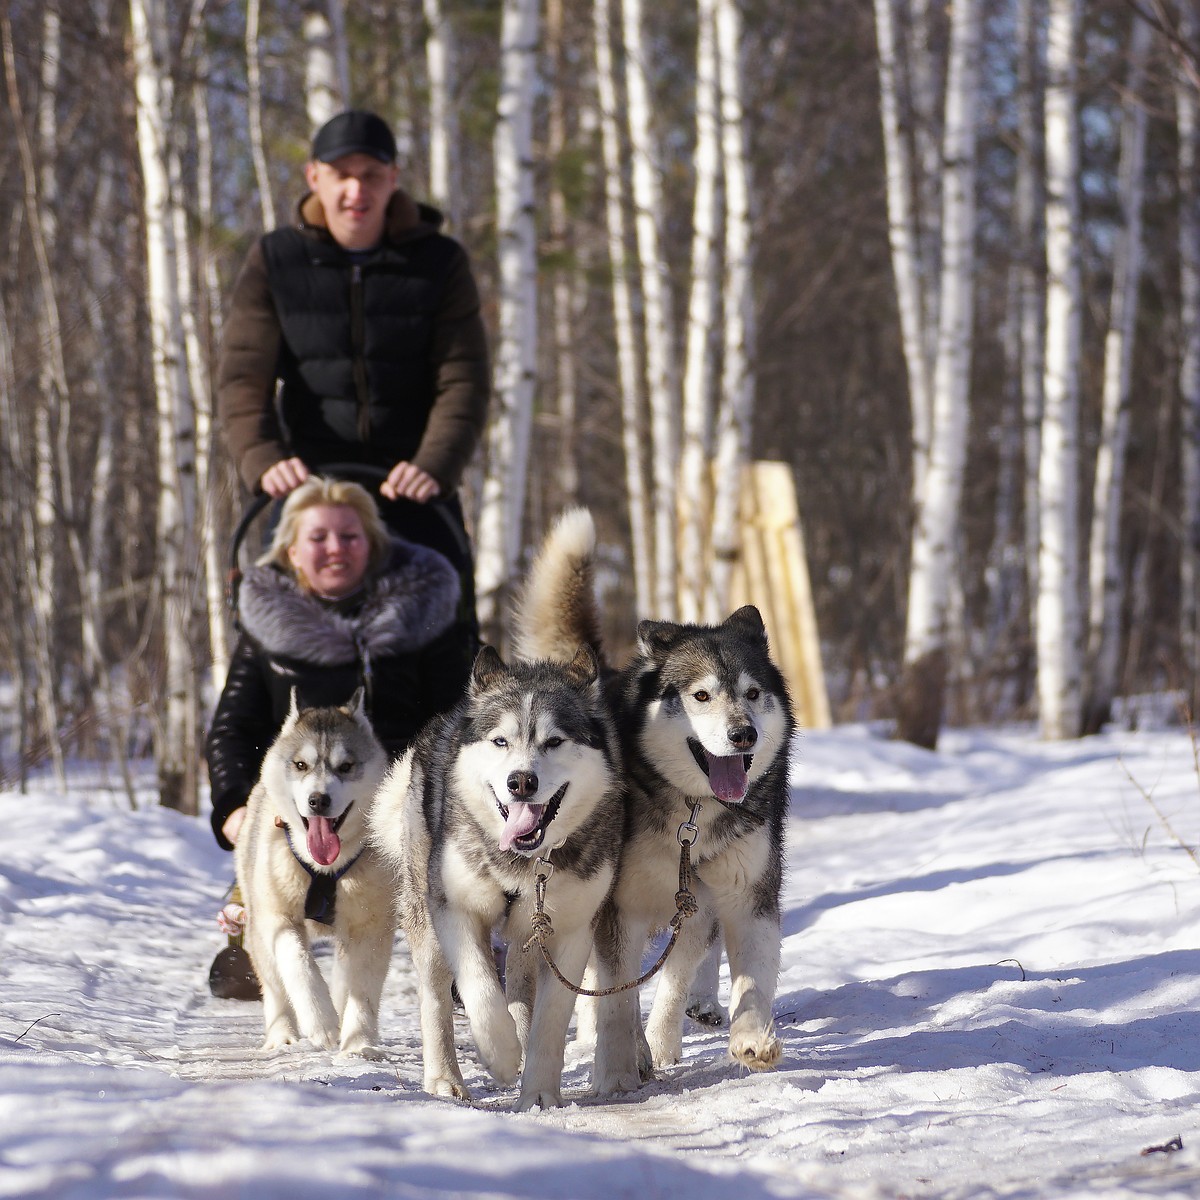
(772, 574)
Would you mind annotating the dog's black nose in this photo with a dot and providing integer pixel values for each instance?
(522, 784)
(743, 737)
(318, 803)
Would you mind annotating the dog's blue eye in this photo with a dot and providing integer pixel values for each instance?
(499, 741)
(702, 696)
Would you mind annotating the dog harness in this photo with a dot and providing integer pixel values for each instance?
(321, 900)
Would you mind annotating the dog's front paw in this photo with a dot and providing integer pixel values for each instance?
(280, 1033)
(360, 1048)
(500, 1048)
(756, 1051)
(323, 1038)
(538, 1098)
(616, 1083)
(447, 1088)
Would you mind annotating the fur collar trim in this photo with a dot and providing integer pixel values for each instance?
(406, 605)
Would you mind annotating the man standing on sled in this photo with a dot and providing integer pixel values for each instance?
(355, 336)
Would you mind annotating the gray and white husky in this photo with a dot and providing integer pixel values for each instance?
(704, 718)
(306, 871)
(522, 772)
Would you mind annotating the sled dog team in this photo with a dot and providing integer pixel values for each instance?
(551, 807)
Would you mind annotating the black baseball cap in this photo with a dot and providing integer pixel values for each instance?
(354, 132)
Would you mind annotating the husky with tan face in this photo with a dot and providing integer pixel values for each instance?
(703, 717)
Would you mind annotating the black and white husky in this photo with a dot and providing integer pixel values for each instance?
(703, 718)
(520, 778)
(306, 871)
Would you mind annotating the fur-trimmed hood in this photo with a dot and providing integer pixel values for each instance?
(407, 603)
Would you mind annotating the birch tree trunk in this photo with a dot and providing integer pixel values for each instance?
(445, 184)
(207, 473)
(42, 536)
(177, 749)
(1031, 223)
(903, 239)
(1105, 583)
(662, 382)
(20, 517)
(324, 94)
(935, 536)
(254, 113)
(564, 292)
(1059, 620)
(695, 477)
(1189, 365)
(628, 364)
(516, 357)
(736, 413)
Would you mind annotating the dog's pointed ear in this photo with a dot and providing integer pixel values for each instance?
(355, 705)
(583, 669)
(655, 638)
(293, 704)
(748, 621)
(488, 668)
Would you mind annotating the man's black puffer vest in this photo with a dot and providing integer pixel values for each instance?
(355, 362)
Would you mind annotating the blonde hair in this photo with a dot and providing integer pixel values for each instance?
(315, 491)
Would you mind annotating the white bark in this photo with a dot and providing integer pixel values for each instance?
(904, 240)
(445, 184)
(628, 363)
(565, 288)
(695, 478)
(177, 749)
(206, 475)
(934, 538)
(516, 356)
(1030, 219)
(1105, 584)
(736, 413)
(662, 377)
(254, 113)
(1059, 618)
(1189, 367)
(323, 94)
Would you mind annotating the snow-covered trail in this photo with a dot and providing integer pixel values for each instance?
(990, 986)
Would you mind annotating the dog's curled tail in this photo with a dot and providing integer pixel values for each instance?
(557, 612)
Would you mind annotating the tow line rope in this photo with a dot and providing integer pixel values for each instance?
(685, 906)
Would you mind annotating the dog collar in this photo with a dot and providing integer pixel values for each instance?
(320, 902)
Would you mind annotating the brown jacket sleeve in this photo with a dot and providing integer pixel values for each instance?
(246, 369)
(459, 415)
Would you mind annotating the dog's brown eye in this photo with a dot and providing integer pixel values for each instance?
(300, 765)
(345, 768)
(553, 743)
(702, 696)
(752, 693)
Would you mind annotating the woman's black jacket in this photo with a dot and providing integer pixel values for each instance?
(395, 638)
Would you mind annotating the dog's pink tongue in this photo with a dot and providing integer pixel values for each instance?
(522, 819)
(727, 778)
(323, 844)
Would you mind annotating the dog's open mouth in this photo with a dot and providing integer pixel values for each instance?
(727, 775)
(322, 835)
(525, 824)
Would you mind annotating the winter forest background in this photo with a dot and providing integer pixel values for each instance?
(942, 260)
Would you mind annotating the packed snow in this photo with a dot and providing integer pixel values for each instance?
(990, 987)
